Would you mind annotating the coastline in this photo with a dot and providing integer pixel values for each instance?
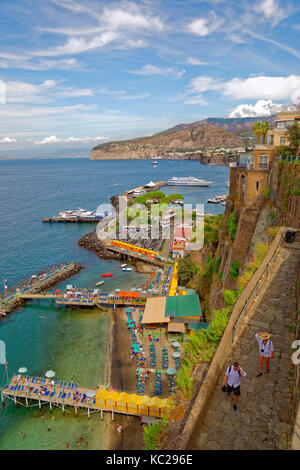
(123, 376)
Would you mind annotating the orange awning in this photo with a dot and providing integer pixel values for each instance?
(132, 295)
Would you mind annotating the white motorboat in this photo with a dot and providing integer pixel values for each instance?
(100, 283)
(188, 181)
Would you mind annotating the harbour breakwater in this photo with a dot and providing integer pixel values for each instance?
(12, 301)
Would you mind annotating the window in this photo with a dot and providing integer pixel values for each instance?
(263, 160)
(282, 140)
(280, 125)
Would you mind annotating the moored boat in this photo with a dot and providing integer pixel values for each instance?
(100, 283)
(107, 275)
(188, 181)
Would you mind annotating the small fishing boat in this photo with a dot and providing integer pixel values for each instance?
(127, 269)
(107, 275)
(123, 266)
(100, 283)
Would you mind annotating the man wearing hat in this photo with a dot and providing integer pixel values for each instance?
(266, 350)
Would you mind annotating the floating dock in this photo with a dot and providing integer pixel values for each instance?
(35, 391)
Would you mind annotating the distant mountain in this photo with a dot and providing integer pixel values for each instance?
(179, 140)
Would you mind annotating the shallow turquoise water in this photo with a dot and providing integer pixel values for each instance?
(29, 191)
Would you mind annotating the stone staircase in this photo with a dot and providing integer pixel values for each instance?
(264, 416)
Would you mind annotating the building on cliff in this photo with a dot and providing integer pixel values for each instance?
(277, 136)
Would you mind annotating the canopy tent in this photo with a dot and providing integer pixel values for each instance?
(130, 295)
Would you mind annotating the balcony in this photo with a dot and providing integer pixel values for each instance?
(263, 166)
(248, 166)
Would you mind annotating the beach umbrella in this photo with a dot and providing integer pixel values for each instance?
(175, 344)
(176, 355)
(90, 394)
(50, 373)
(171, 371)
(22, 370)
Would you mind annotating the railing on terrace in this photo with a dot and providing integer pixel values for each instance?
(289, 158)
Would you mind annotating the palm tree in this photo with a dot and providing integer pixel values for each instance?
(264, 127)
(257, 129)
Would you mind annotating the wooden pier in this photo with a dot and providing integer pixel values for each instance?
(71, 398)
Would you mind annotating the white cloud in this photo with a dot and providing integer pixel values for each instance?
(154, 70)
(252, 88)
(195, 61)
(272, 88)
(130, 17)
(73, 92)
(271, 10)
(8, 140)
(69, 140)
(78, 45)
(206, 25)
(261, 108)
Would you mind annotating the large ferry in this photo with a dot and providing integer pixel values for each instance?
(188, 181)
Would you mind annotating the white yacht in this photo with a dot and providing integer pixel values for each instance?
(188, 181)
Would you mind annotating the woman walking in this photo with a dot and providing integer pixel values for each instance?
(266, 350)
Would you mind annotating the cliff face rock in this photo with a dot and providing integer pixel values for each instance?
(199, 137)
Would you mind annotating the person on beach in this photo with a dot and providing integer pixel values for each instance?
(266, 350)
(233, 380)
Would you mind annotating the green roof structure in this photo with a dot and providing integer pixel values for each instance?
(182, 306)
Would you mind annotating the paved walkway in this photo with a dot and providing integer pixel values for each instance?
(262, 420)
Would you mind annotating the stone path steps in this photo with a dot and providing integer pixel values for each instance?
(263, 417)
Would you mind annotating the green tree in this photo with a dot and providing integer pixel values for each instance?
(258, 130)
(264, 129)
(293, 135)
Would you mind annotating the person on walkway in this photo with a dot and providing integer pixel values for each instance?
(266, 350)
(233, 379)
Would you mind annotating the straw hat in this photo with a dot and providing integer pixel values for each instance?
(264, 336)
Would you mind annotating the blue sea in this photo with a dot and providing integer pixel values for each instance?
(72, 343)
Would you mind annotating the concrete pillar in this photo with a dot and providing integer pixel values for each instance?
(50, 406)
(101, 413)
(26, 400)
(88, 411)
(76, 411)
(2, 398)
(39, 403)
(15, 400)
(112, 414)
(63, 407)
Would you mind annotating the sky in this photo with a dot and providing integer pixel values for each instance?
(76, 73)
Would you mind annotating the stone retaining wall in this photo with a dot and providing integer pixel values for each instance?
(226, 345)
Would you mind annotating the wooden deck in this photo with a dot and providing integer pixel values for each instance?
(68, 396)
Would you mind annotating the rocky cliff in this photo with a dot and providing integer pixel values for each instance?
(175, 142)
